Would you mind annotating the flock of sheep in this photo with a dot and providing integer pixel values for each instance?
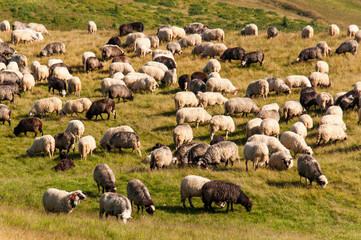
(265, 144)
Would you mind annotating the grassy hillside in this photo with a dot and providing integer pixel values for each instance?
(283, 208)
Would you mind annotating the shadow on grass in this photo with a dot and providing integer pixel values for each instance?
(284, 184)
(166, 114)
(180, 209)
(163, 128)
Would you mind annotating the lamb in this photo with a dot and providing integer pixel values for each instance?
(116, 205)
(170, 77)
(51, 48)
(324, 100)
(257, 152)
(222, 123)
(351, 30)
(272, 32)
(307, 32)
(182, 134)
(211, 99)
(192, 114)
(185, 99)
(74, 86)
(76, 127)
(309, 53)
(235, 53)
(182, 150)
(174, 48)
(28, 82)
(222, 191)
(310, 169)
(41, 73)
(58, 84)
(330, 132)
(333, 119)
(75, 106)
(201, 47)
(273, 144)
(300, 129)
(334, 110)
(212, 66)
(124, 68)
(5, 114)
(348, 46)
(270, 127)
(92, 63)
(224, 151)
(120, 91)
(250, 29)
(214, 50)
(44, 143)
(64, 141)
(280, 161)
(39, 28)
(92, 27)
(161, 158)
(155, 72)
(124, 140)
(253, 127)
(295, 142)
(213, 34)
(65, 163)
(220, 85)
(197, 85)
(319, 79)
(5, 26)
(46, 105)
(333, 30)
(60, 201)
(191, 157)
(22, 35)
(191, 186)
(190, 40)
(308, 97)
(131, 37)
(111, 51)
(111, 131)
(183, 82)
(258, 87)
(138, 193)
(86, 145)
(322, 67)
(106, 83)
(154, 41)
(240, 105)
(277, 85)
(104, 177)
(292, 109)
(98, 107)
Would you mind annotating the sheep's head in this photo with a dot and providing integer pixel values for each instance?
(150, 209)
(75, 197)
(308, 151)
(43, 53)
(29, 153)
(124, 218)
(322, 181)
(243, 63)
(16, 131)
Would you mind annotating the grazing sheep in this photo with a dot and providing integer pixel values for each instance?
(138, 193)
(358, 36)
(258, 87)
(190, 40)
(334, 110)
(166, 60)
(201, 47)
(307, 32)
(12, 66)
(114, 204)
(292, 109)
(252, 57)
(98, 107)
(310, 169)
(212, 66)
(295, 142)
(5, 114)
(119, 76)
(111, 51)
(51, 48)
(104, 177)
(170, 77)
(5, 26)
(44, 143)
(253, 127)
(250, 29)
(351, 30)
(319, 79)
(211, 99)
(240, 105)
(300, 129)
(92, 63)
(272, 32)
(106, 83)
(159, 65)
(325, 49)
(86, 145)
(28, 82)
(270, 127)
(58, 84)
(46, 105)
(57, 201)
(114, 41)
(185, 99)
(162, 52)
(131, 37)
(213, 35)
(222, 191)
(348, 46)
(183, 82)
(41, 73)
(235, 53)
(65, 163)
(22, 35)
(224, 151)
(277, 85)
(124, 29)
(220, 85)
(214, 50)
(124, 140)
(280, 161)
(257, 152)
(10, 76)
(333, 30)
(39, 28)
(195, 28)
(349, 100)
(270, 111)
(155, 72)
(161, 158)
(174, 48)
(29, 125)
(333, 119)
(182, 134)
(192, 114)
(154, 41)
(330, 132)
(308, 97)
(75, 106)
(92, 27)
(142, 47)
(338, 95)
(182, 150)
(74, 86)
(273, 144)
(309, 53)
(64, 141)
(322, 67)
(197, 85)
(324, 100)
(221, 123)
(191, 186)
(165, 35)
(120, 91)
(6, 50)
(76, 127)
(191, 157)
(145, 83)
(111, 131)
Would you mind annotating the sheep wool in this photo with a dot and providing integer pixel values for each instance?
(44, 143)
(57, 201)
(223, 85)
(116, 205)
(221, 123)
(192, 114)
(310, 169)
(273, 144)
(138, 193)
(306, 120)
(257, 152)
(330, 132)
(270, 127)
(295, 142)
(182, 134)
(86, 145)
(240, 105)
(191, 186)
(161, 157)
(185, 99)
(253, 127)
(76, 127)
(111, 131)
(280, 161)
(300, 129)
(211, 99)
(104, 177)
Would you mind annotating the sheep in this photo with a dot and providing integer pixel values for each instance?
(6, 50)
(104, 177)
(181, 151)
(123, 59)
(111, 131)
(98, 107)
(258, 87)
(166, 60)
(358, 36)
(357, 87)
(53, 61)
(216, 139)
(2, 66)
(106, 83)
(240, 105)
(334, 110)
(145, 83)
(308, 97)
(220, 85)
(58, 84)
(295, 142)
(348, 46)
(174, 48)
(324, 100)
(92, 63)
(74, 86)
(333, 119)
(280, 161)
(235, 53)
(333, 30)
(252, 57)
(197, 85)
(182, 134)
(277, 85)
(22, 35)
(39, 28)
(213, 34)
(65, 163)
(224, 151)
(253, 127)
(270, 111)
(161, 158)
(159, 65)
(195, 28)
(191, 157)
(29, 125)
(46, 105)
(309, 53)
(214, 50)
(170, 77)
(60, 201)
(155, 72)
(222, 123)
(211, 99)
(185, 99)
(41, 73)
(154, 41)
(192, 114)
(162, 52)
(338, 95)
(62, 73)
(51, 48)
(124, 68)
(92, 27)
(292, 109)
(28, 82)
(5, 114)
(142, 47)
(257, 152)
(124, 140)
(25, 70)
(201, 47)
(191, 186)
(319, 79)
(12, 66)
(124, 29)
(5, 26)
(86, 145)
(273, 144)
(76, 127)
(131, 78)
(119, 76)
(203, 76)
(111, 51)
(270, 127)
(116, 205)
(183, 82)
(330, 132)
(75, 106)
(351, 30)
(165, 35)
(138, 193)
(64, 141)
(325, 49)
(322, 67)
(222, 191)
(190, 40)
(55, 65)
(212, 66)
(310, 169)
(348, 100)
(250, 29)
(272, 32)
(131, 37)
(19, 25)
(307, 32)
(120, 91)
(300, 129)
(44, 143)
(10, 76)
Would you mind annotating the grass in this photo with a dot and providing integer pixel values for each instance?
(283, 208)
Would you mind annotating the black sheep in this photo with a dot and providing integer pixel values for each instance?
(348, 100)
(272, 32)
(200, 75)
(65, 163)
(114, 41)
(197, 85)
(105, 105)
(32, 124)
(169, 62)
(124, 29)
(111, 51)
(235, 53)
(120, 91)
(65, 140)
(309, 53)
(3, 59)
(6, 50)
(348, 46)
(217, 139)
(183, 82)
(92, 63)
(222, 191)
(252, 57)
(58, 84)
(308, 97)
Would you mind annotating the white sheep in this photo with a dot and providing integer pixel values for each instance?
(214, 50)
(273, 144)
(92, 27)
(214, 74)
(220, 85)
(257, 152)
(351, 30)
(154, 41)
(76, 127)
(191, 186)
(85, 56)
(22, 35)
(75, 106)
(185, 99)
(28, 82)
(165, 35)
(62, 73)
(270, 107)
(250, 29)
(307, 32)
(201, 47)
(116, 205)
(324, 100)
(74, 86)
(300, 129)
(170, 77)
(192, 114)
(253, 127)
(224, 151)
(146, 83)
(258, 87)
(322, 67)
(182, 134)
(41, 144)
(86, 145)
(325, 49)
(46, 105)
(161, 157)
(292, 109)
(295, 142)
(297, 81)
(119, 76)
(190, 40)
(132, 77)
(5, 26)
(157, 64)
(333, 30)
(277, 85)
(319, 79)
(280, 161)
(213, 34)
(111, 131)
(221, 123)
(213, 65)
(240, 105)
(270, 127)
(60, 201)
(330, 132)
(33, 66)
(211, 99)
(12, 66)
(161, 52)
(39, 28)
(142, 43)
(155, 72)
(41, 73)
(124, 68)
(358, 36)
(106, 83)
(174, 48)
(310, 169)
(334, 110)
(333, 119)
(131, 37)
(178, 32)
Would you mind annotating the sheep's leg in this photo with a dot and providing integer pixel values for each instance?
(227, 134)
(98, 188)
(231, 206)
(138, 208)
(210, 207)
(227, 207)
(120, 150)
(300, 179)
(246, 165)
(184, 203)
(108, 116)
(197, 124)
(190, 202)
(310, 182)
(102, 117)
(26, 132)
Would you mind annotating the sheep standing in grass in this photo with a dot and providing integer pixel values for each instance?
(155, 72)
(92, 27)
(161, 158)
(348, 46)
(292, 109)
(131, 37)
(86, 145)
(74, 86)
(258, 87)
(214, 50)
(185, 99)
(174, 48)
(351, 30)
(64, 141)
(252, 57)
(310, 169)
(28, 82)
(190, 40)
(211, 99)
(309, 53)
(170, 77)
(272, 32)
(253, 127)
(319, 79)
(334, 110)
(5, 26)
(295, 142)
(124, 68)
(182, 150)
(322, 67)
(76, 127)
(221, 123)
(333, 119)
(85, 56)
(269, 113)
(104, 177)
(57, 201)
(280, 161)
(273, 144)
(250, 29)
(330, 132)
(41, 73)
(270, 127)
(240, 105)
(154, 41)
(120, 91)
(333, 30)
(213, 35)
(46, 105)
(224, 151)
(111, 131)
(116, 205)
(300, 129)
(191, 186)
(257, 152)
(165, 35)
(223, 85)
(5, 114)
(182, 134)
(75, 106)
(324, 100)
(106, 83)
(138, 193)
(44, 143)
(212, 66)
(201, 47)
(325, 49)
(51, 48)
(124, 140)
(192, 114)
(277, 85)
(191, 157)
(307, 32)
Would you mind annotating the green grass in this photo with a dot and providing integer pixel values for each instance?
(283, 208)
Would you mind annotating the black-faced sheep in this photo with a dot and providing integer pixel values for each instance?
(104, 177)
(138, 193)
(310, 169)
(98, 107)
(57, 201)
(29, 125)
(65, 140)
(252, 57)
